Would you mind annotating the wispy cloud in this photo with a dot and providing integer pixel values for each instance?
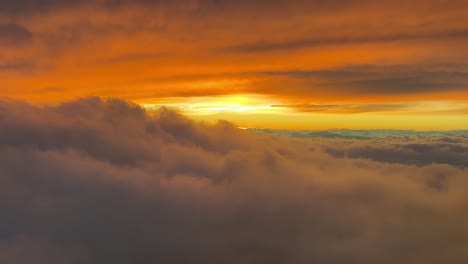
(16, 66)
(133, 57)
(372, 80)
(348, 108)
(319, 41)
(13, 34)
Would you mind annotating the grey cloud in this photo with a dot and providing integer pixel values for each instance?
(411, 84)
(418, 153)
(390, 146)
(95, 181)
(317, 6)
(13, 34)
(346, 40)
(36, 6)
(362, 80)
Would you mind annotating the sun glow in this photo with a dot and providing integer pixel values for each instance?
(254, 110)
(239, 103)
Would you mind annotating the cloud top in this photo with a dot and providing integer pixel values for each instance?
(104, 181)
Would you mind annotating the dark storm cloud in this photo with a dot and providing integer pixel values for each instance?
(95, 181)
(13, 34)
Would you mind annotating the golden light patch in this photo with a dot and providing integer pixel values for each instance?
(239, 103)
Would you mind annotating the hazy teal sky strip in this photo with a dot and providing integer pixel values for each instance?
(362, 134)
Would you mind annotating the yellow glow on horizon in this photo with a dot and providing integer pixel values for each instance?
(253, 110)
(301, 121)
(238, 103)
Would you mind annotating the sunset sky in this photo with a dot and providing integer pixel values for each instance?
(286, 64)
(233, 131)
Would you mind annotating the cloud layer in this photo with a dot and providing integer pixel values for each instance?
(95, 181)
(329, 51)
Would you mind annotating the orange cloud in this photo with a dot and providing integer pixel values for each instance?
(295, 52)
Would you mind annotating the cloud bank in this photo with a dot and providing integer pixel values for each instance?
(95, 181)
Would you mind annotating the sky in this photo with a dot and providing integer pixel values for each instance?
(233, 131)
(286, 64)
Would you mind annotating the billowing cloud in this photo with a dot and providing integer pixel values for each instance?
(95, 181)
(420, 151)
